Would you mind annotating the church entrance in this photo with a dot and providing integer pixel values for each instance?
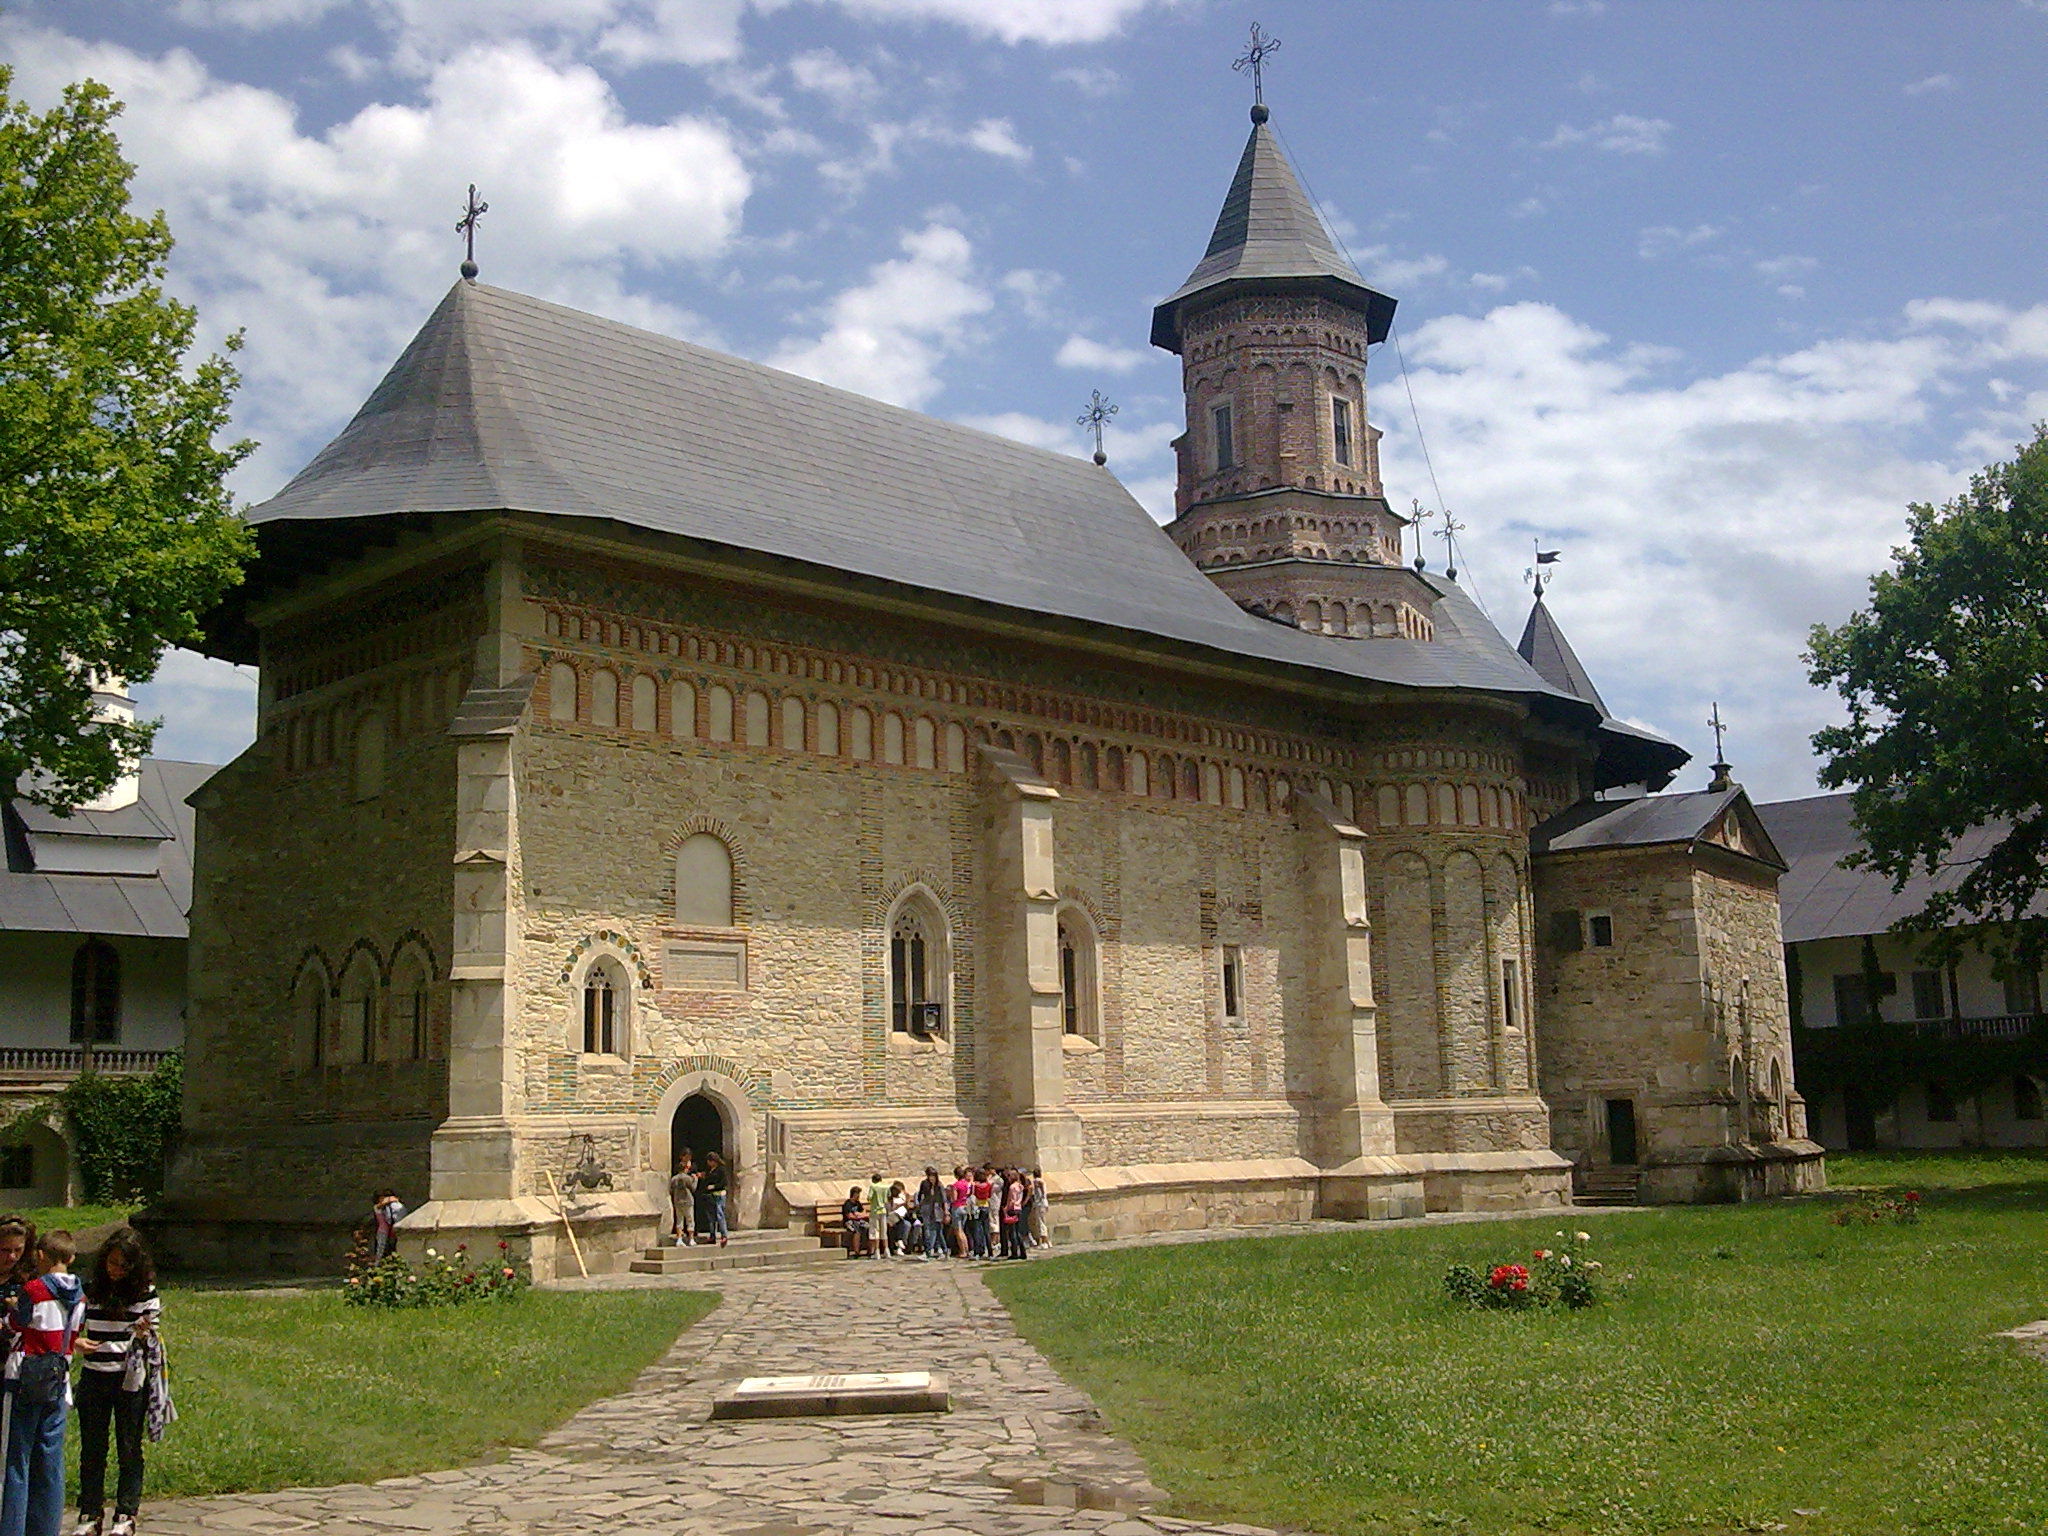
(1621, 1132)
(699, 1128)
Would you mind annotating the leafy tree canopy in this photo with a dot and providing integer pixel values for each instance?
(1945, 676)
(116, 532)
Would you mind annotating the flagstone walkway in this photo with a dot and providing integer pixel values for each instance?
(1020, 1449)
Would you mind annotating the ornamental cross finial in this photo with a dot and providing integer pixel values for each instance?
(1449, 534)
(1095, 418)
(1714, 720)
(1254, 59)
(466, 228)
(1536, 576)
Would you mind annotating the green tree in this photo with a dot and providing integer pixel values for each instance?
(1945, 676)
(116, 532)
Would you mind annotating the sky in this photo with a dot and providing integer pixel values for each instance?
(1701, 295)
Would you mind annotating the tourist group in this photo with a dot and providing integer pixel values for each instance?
(109, 1323)
(982, 1213)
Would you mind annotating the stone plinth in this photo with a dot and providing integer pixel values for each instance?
(796, 1397)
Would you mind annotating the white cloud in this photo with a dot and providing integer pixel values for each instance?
(1577, 7)
(1017, 21)
(1724, 514)
(1035, 431)
(889, 335)
(1780, 269)
(253, 15)
(995, 136)
(1094, 356)
(208, 708)
(1622, 134)
(1666, 239)
(824, 72)
(1380, 266)
(1488, 282)
(1930, 84)
(1091, 79)
(330, 248)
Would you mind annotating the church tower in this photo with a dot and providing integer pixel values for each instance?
(1279, 499)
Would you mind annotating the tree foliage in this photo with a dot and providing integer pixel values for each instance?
(1945, 676)
(116, 532)
(122, 1128)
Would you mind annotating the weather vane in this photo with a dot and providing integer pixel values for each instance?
(1096, 417)
(1254, 59)
(1536, 575)
(467, 229)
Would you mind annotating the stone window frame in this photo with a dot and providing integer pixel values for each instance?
(1230, 978)
(1596, 916)
(355, 1017)
(1340, 430)
(413, 1007)
(312, 989)
(1223, 436)
(1077, 947)
(617, 969)
(95, 992)
(921, 903)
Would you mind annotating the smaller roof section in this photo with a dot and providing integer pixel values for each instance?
(1719, 818)
(1269, 235)
(1545, 648)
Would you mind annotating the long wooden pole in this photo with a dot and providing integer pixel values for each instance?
(567, 1226)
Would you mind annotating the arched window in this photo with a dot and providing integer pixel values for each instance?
(1415, 806)
(828, 729)
(1136, 777)
(757, 719)
(861, 728)
(1078, 1014)
(925, 742)
(703, 882)
(356, 1011)
(309, 1016)
(1781, 1118)
(682, 709)
(411, 1031)
(366, 757)
(793, 725)
(604, 1009)
(1738, 1085)
(892, 738)
(95, 993)
(604, 697)
(643, 701)
(919, 967)
(720, 706)
(956, 748)
(561, 691)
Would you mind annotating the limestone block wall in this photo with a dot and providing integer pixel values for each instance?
(1743, 966)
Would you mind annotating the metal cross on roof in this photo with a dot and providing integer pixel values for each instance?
(1417, 515)
(1254, 59)
(467, 229)
(1449, 534)
(1714, 720)
(1096, 417)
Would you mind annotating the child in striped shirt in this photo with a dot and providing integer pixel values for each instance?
(121, 1307)
(46, 1319)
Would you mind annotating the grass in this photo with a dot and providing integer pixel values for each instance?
(75, 1218)
(281, 1390)
(1937, 1170)
(1763, 1370)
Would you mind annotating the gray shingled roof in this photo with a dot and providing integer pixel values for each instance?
(1545, 648)
(1647, 821)
(1268, 232)
(1818, 899)
(147, 906)
(508, 403)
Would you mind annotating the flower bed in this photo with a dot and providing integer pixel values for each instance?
(1875, 1210)
(1553, 1277)
(444, 1280)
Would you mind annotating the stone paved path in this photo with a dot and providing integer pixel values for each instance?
(1005, 1462)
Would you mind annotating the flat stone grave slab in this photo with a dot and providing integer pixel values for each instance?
(789, 1397)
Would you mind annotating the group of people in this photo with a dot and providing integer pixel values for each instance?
(109, 1322)
(696, 1198)
(980, 1213)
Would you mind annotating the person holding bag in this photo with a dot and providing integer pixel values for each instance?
(46, 1320)
(121, 1313)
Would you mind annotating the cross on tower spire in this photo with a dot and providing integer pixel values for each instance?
(466, 227)
(1261, 48)
(1723, 777)
(1096, 417)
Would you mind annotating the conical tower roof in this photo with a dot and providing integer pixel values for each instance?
(1269, 235)
(1545, 648)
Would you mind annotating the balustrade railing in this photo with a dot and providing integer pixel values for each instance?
(60, 1059)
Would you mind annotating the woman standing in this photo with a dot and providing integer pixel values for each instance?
(121, 1312)
(17, 1268)
(1041, 1210)
(712, 1185)
(931, 1211)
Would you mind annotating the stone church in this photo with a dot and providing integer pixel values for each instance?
(658, 750)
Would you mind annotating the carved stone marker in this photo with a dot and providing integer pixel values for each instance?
(788, 1397)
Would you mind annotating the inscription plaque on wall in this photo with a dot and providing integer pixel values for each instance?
(704, 965)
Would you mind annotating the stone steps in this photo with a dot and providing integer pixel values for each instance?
(746, 1250)
(1605, 1186)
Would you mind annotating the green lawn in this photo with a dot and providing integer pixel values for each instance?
(74, 1218)
(1760, 1363)
(283, 1390)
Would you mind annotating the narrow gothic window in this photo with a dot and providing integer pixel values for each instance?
(1510, 994)
(1077, 976)
(600, 1014)
(1233, 982)
(1226, 444)
(917, 970)
(95, 993)
(1340, 429)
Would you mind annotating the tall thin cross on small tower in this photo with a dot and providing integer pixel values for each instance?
(1254, 59)
(1723, 778)
(466, 228)
(1096, 417)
